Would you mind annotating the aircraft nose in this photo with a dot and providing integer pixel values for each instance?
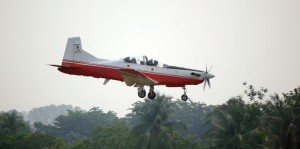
(210, 75)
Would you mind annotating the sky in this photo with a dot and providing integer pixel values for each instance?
(257, 41)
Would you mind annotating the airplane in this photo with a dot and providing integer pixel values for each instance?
(134, 71)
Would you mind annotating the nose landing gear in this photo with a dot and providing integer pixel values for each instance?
(184, 97)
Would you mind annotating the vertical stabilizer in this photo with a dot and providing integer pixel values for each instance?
(74, 52)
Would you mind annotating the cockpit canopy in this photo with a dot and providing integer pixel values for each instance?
(144, 60)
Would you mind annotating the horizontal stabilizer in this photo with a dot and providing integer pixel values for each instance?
(59, 66)
(62, 66)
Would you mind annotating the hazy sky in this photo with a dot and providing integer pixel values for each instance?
(257, 41)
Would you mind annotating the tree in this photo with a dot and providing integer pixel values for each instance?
(41, 140)
(113, 136)
(47, 114)
(235, 125)
(192, 114)
(12, 124)
(152, 128)
(185, 142)
(283, 120)
(254, 95)
(15, 133)
(78, 125)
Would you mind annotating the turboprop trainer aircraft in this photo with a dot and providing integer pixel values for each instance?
(137, 72)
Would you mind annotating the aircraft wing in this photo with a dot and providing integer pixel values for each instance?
(132, 77)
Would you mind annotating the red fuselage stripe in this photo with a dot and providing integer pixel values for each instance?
(111, 72)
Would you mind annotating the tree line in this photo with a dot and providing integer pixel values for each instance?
(261, 122)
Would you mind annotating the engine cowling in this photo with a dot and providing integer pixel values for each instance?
(196, 74)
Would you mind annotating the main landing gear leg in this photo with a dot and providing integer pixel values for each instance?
(184, 97)
(151, 94)
(141, 92)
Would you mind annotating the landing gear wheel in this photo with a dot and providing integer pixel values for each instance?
(184, 97)
(142, 93)
(151, 95)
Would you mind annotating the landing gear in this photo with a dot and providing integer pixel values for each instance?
(151, 94)
(184, 97)
(142, 93)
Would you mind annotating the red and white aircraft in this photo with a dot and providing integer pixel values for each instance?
(137, 72)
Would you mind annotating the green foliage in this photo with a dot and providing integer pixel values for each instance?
(78, 125)
(265, 122)
(11, 123)
(112, 136)
(11, 141)
(234, 125)
(273, 123)
(15, 134)
(255, 95)
(83, 144)
(42, 140)
(153, 115)
(193, 115)
(184, 142)
(283, 120)
(31, 141)
(47, 114)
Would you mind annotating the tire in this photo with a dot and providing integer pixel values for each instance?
(151, 95)
(184, 97)
(142, 93)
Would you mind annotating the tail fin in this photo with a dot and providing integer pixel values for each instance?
(74, 51)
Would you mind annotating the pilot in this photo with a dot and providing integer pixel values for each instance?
(127, 59)
(150, 62)
(155, 63)
(133, 60)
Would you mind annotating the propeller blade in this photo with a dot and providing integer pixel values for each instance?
(206, 79)
(204, 84)
(209, 68)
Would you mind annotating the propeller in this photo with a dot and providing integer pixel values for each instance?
(207, 76)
